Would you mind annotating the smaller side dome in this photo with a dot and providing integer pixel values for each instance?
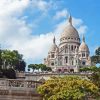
(83, 46)
(54, 46)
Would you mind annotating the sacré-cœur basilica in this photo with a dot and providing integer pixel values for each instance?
(70, 54)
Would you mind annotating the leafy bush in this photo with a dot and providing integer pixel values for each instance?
(67, 88)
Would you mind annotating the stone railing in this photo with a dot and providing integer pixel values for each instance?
(19, 89)
(21, 83)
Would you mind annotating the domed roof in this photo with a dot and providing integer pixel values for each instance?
(83, 46)
(54, 46)
(69, 31)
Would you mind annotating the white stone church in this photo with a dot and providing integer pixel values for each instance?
(70, 54)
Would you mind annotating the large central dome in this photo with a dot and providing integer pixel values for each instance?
(69, 31)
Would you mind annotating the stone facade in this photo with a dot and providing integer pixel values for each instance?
(70, 54)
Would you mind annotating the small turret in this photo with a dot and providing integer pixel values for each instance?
(83, 46)
(54, 40)
(54, 46)
(83, 39)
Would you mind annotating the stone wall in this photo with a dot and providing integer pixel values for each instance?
(14, 97)
(19, 89)
(19, 95)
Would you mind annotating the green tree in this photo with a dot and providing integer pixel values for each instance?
(91, 69)
(67, 88)
(44, 67)
(12, 59)
(95, 77)
(39, 66)
(32, 66)
(96, 58)
(20, 66)
(48, 69)
(84, 69)
(97, 51)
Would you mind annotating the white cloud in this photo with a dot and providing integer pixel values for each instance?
(12, 7)
(78, 23)
(82, 29)
(42, 5)
(15, 33)
(61, 14)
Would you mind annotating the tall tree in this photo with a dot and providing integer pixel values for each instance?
(95, 77)
(97, 51)
(96, 57)
(32, 66)
(43, 67)
(12, 59)
(39, 66)
(20, 66)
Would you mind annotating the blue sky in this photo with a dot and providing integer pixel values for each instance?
(30, 25)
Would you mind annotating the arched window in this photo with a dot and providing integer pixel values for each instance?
(72, 62)
(52, 56)
(83, 54)
(52, 63)
(72, 47)
(75, 47)
(83, 63)
(68, 38)
(66, 59)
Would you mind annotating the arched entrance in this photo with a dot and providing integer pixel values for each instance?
(71, 70)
